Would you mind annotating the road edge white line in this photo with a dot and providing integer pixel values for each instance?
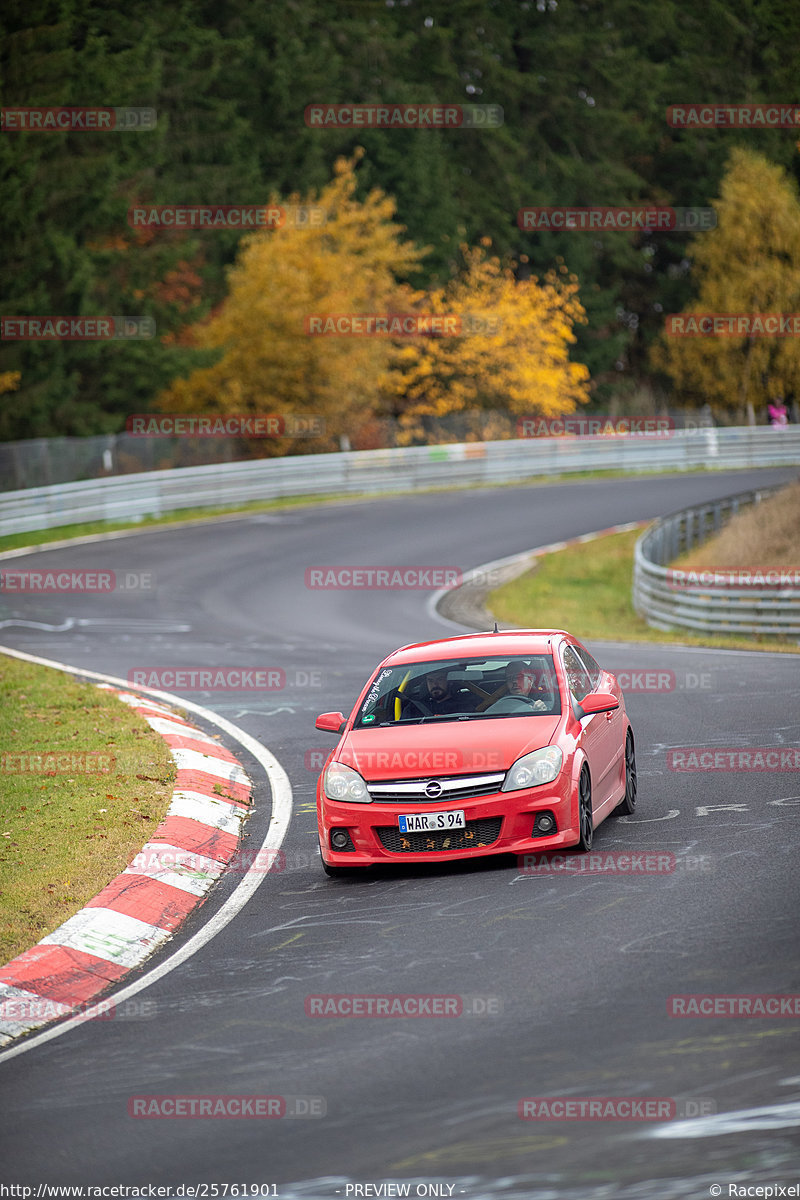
(276, 832)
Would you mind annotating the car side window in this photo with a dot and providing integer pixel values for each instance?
(577, 676)
(591, 666)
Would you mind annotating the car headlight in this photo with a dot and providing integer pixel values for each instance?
(540, 766)
(343, 783)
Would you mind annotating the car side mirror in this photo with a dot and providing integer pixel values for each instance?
(598, 702)
(330, 722)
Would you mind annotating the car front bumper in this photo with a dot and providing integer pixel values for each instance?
(512, 813)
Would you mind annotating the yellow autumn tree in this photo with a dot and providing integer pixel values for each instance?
(9, 381)
(512, 356)
(749, 264)
(282, 278)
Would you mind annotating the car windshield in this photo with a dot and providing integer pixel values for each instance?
(459, 689)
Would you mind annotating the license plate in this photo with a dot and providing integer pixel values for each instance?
(430, 822)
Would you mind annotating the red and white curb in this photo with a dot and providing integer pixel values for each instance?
(140, 910)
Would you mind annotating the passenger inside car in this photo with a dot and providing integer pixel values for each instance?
(526, 689)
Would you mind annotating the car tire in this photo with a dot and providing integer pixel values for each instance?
(627, 804)
(585, 817)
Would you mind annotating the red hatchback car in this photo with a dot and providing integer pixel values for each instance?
(488, 743)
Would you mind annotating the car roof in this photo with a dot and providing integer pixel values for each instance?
(510, 643)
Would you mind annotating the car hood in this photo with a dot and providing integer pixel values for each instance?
(444, 748)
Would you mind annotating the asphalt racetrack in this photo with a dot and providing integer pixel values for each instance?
(572, 972)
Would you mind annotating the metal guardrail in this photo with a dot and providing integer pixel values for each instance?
(156, 493)
(670, 604)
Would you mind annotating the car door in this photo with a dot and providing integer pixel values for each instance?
(604, 681)
(596, 737)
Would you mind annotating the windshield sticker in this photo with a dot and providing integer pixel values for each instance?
(375, 691)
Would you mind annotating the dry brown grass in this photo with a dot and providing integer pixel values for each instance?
(765, 535)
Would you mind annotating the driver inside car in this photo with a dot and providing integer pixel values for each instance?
(440, 698)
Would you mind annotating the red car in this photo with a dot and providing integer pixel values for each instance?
(486, 743)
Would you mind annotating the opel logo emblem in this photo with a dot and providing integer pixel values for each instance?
(433, 789)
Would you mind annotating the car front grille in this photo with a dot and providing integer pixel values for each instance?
(475, 834)
(458, 787)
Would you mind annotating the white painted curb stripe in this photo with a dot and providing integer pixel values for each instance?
(194, 760)
(21, 1010)
(137, 702)
(113, 936)
(176, 729)
(251, 881)
(215, 813)
(183, 869)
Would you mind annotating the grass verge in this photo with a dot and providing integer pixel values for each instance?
(586, 589)
(65, 833)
